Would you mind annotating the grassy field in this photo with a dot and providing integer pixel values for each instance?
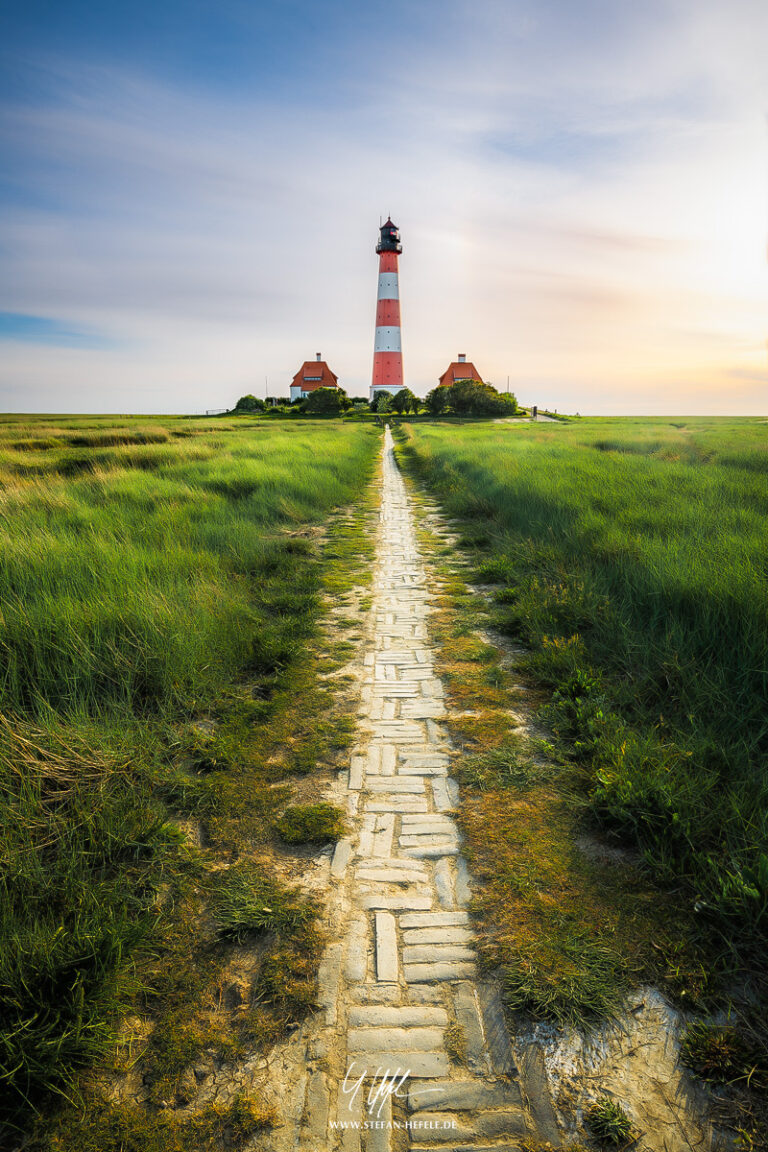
(630, 557)
(160, 586)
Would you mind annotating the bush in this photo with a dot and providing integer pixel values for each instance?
(325, 401)
(310, 824)
(471, 398)
(250, 404)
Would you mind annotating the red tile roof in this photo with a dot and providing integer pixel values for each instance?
(460, 370)
(314, 374)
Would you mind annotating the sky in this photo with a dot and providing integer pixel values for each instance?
(190, 195)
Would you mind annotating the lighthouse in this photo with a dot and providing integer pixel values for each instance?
(387, 350)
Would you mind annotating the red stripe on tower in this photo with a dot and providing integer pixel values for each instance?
(387, 349)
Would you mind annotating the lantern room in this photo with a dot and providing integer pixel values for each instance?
(389, 240)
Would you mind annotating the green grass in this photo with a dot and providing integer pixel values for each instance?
(160, 587)
(628, 561)
(632, 559)
(609, 1123)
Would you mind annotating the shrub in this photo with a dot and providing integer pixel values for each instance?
(250, 404)
(471, 398)
(326, 400)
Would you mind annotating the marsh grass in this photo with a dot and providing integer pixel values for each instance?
(160, 586)
(631, 560)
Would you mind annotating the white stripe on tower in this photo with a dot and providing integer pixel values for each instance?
(387, 339)
(389, 288)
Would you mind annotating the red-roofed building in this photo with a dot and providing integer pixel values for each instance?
(461, 369)
(313, 374)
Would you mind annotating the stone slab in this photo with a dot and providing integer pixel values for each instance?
(440, 1128)
(436, 953)
(356, 959)
(405, 902)
(431, 818)
(391, 876)
(443, 878)
(463, 1095)
(437, 838)
(433, 919)
(425, 1065)
(443, 935)
(387, 967)
(424, 994)
(384, 834)
(375, 994)
(468, 1019)
(394, 1039)
(386, 1016)
(463, 883)
(380, 862)
(378, 1132)
(430, 829)
(328, 976)
(315, 1127)
(424, 973)
(341, 855)
(396, 784)
(440, 794)
(356, 773)
(395, 804)
(495, 1028)
(432, 851)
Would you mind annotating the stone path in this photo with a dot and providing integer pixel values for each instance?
(404, 1007)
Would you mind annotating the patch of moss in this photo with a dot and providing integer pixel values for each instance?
(310, 824)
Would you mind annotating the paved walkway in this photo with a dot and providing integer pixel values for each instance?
(404, 1006)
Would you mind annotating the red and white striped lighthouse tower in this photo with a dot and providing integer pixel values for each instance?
(387, 350)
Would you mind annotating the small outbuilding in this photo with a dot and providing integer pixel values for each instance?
(461, 369)
(312, 375)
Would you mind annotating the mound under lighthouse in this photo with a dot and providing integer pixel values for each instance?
(387, 349)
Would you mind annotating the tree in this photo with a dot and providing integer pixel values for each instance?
(250, 404)
(382, 402)
(326, 401)
(471, 398)
(405, 401)
(438, 400)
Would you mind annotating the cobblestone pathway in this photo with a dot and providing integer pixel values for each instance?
(400, 989)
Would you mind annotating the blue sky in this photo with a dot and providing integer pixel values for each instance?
(190, 196)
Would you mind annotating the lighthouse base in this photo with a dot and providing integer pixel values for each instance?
(392, 389)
